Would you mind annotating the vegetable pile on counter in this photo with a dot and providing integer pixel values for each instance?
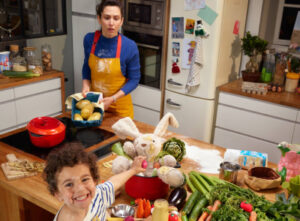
(20, 74)
(230, 202)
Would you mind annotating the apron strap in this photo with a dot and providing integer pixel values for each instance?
(96, 38)
(119, 47)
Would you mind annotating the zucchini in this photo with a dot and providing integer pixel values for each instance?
(199, 186)
(189, 183)
(194, 197)
(198, 208)
(184, 218)
(20, 74)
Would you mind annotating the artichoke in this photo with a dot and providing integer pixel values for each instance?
(174, 147)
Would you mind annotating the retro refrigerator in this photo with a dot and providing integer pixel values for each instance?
(221, 52)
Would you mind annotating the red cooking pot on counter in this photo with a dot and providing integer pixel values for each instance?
(151, 188)
(46, 132)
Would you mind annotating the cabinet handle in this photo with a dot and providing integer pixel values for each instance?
(170, 81)
(169, 101)
(147, 46)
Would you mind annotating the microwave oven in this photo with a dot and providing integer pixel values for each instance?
(145, 16)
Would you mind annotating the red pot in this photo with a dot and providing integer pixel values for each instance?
(46, 132)
(146, 187)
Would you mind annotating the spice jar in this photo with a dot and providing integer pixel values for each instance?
(14, 51)
(47, 57)
(35, 66)
(291, 82)
(29, 54)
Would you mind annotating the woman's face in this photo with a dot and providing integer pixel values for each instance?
(76, 186)
(111, 21)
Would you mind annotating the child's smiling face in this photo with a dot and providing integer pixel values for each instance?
(76, 186)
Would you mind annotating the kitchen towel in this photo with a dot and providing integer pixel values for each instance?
(79, 96)
(197, 63)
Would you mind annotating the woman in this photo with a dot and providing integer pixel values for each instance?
(111, 63)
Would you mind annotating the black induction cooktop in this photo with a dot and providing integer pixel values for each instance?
(87, 137)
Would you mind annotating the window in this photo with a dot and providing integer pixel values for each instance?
(286, 17)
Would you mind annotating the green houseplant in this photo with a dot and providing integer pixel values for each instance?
(252, 46)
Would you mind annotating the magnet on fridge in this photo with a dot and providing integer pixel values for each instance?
(175, 68)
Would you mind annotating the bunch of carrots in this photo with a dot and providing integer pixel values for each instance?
(143, 208)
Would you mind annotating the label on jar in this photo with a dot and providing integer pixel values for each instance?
(31, 67)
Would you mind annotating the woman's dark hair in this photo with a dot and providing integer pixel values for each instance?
(100, 7)
(68, 156)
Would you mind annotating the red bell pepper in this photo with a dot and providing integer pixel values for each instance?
(246, 206)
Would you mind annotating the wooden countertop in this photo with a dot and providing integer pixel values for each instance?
(283, 98)
(34, 189)
(6, 82)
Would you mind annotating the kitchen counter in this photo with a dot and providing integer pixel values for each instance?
(283, 98)
(34, 189)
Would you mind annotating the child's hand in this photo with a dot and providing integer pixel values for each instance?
(137, 164)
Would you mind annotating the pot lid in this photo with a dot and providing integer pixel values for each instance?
(45, 126)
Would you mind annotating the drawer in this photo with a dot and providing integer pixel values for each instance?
(232, 140)
(145, 115)
(254, 124)
(44, 104)
(6, 95)
(38, 87)
(8, 115)
(298, 117)
(296, 135)
(258, 106)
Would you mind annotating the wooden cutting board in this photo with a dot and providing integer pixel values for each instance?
(11, 173)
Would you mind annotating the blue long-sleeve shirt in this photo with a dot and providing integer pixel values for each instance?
(107, 48)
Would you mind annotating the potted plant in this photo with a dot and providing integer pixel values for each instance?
(252, 46)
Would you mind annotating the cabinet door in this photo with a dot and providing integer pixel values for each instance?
(296, 135)
(44, 104)
(232, 140)
(8, 115)
(194, 115)
(254, 124)
(33, 17)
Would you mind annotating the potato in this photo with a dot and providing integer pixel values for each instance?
(95, 116)
(87, 111)
(80, 104)
(77, 117)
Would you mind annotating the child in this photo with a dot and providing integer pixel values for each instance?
(72, 177)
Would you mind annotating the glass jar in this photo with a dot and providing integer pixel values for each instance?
(19, 64)
(47, 57)
(160, 211)
(291, 82)
(29, 54)
(35, 66)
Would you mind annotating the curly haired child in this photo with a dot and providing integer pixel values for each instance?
(72, 177)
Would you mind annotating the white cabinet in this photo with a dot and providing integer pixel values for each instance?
(250, 124)
(146, 102)
(20, 104)
(296, 135)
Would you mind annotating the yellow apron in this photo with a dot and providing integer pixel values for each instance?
(107, 77)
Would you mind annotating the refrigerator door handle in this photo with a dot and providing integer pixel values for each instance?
(147, 46)
(170, 81)
(169, 101)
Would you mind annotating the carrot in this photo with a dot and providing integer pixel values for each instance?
(215, 207)
(140, 209)
(253, 216)
(147, 209)
(204, 214)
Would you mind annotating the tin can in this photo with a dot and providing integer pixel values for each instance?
(229, 171)
(4, 61)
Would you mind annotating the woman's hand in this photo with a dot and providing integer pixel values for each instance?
(107, 102)
(137, 164)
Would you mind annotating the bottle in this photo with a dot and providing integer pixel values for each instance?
(268, 68)
(160, 211)
(47, 57)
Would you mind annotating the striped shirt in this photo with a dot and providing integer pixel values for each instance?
(104, 198)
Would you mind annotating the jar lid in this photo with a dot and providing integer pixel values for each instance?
(292, 75)
(29, 48)
(14, 48)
